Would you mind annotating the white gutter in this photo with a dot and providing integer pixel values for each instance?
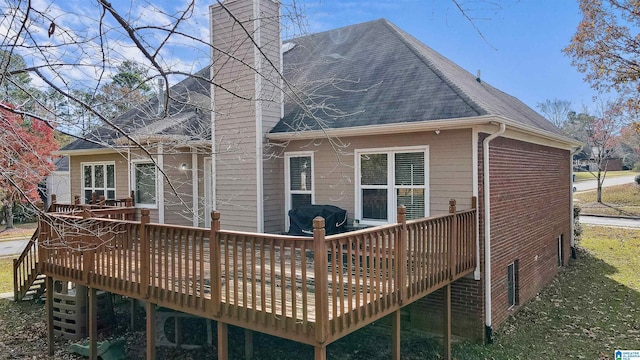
(160, 162)
(573, 240)
(194, 186)
(531, 133)
(474, 156)
(257, 35)
(487, 228)
(212, 88)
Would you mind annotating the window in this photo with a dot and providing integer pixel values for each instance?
(512, 283)
(299, 180)
(560, 252)
(99, 178)
(388, 179)
(144, 183)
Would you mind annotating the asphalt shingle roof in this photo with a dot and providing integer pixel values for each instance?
(188, 116)
(366, 74)
(375, 73)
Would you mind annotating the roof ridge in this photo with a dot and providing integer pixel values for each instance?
(402, 36)
(311, 34)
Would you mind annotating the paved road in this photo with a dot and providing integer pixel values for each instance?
(610, 221)
(593, 184)
(12, 247)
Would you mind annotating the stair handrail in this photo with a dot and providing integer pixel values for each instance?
(22, 281)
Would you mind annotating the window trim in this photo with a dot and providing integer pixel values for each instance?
(133, 183)
(105, 188)
(287, 182)
(391, 186)
(560, 250)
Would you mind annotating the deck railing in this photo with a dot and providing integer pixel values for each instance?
(25, 268)
(312, 290)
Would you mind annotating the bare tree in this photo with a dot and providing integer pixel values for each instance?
(556, 110)
(603, 138)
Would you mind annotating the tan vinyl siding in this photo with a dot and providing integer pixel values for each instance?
(274, 195)
(178, 189)
(235, 109)
(450, 167)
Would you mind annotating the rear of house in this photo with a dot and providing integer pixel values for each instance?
(378, 120)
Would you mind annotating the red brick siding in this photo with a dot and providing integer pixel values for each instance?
(467, 315)
(530, 189)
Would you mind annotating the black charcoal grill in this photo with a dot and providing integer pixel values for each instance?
(301, 219)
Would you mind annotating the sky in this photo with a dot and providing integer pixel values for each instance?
(519, 50)
(516, 44)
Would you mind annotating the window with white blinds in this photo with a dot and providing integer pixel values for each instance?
(389, 178)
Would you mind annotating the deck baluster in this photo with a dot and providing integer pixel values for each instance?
(401, 256)
(453, 240)
(145, 254)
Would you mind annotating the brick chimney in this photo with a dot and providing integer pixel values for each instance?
(247, 98)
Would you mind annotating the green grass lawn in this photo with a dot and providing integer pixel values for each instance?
(616, 200)
(587, 312)
(6, 275)
(585, 175)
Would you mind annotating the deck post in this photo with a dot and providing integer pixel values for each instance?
(93, 324)
(320, 352)
(321, 284)
(395, 335)
(215, 265)
(54, 200)
(43, 234)
(151, 330)
(248, 344)
(102, 201)
(145, 254)
(453, 240)
(401, 255)
(223, 341)
(87, 254)
(15, 280)
(446, 339)
(49, 287)
(76, 200)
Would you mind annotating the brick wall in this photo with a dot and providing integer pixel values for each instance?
(530, 189)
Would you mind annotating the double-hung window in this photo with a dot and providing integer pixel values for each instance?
(144, 183)
(298, 179)
(98, 178)
(389, 178)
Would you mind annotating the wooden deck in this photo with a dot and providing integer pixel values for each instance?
(311, 290)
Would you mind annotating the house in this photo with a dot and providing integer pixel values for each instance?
(366, 118)
(58, 182)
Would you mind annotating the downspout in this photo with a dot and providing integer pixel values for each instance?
(487, 231)
(574, 255)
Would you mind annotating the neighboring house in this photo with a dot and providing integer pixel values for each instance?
(372, 119)
(58, 182)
